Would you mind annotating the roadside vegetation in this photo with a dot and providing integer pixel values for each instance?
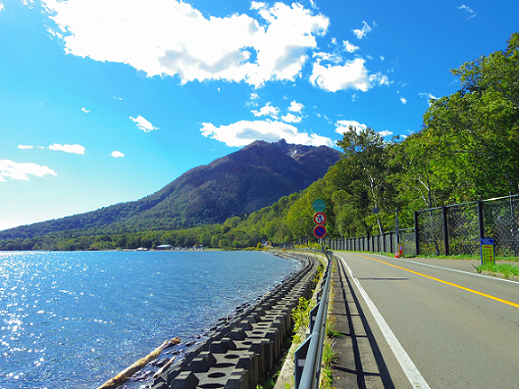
(505, 269)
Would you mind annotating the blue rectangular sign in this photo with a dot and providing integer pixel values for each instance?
(487, 241)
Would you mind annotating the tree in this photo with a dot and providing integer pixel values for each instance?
(478, 127)
(224, 243)
(366, 153)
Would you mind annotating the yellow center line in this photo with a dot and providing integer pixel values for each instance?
(445, 282)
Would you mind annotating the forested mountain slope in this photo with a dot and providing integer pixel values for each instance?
(239, 183)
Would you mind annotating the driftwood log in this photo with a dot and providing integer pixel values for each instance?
(163, 368)
(127, 373)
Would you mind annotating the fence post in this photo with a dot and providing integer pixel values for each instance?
(416, 233)
(445, 231)
(480, 219)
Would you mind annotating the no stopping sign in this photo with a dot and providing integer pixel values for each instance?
(320, 232)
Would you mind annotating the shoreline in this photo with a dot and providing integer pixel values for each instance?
(188, 349)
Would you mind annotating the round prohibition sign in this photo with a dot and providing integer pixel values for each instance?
(320, 231)
(319, 218)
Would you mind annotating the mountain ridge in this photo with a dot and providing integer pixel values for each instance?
(239, 183)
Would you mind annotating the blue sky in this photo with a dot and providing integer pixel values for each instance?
(107, 101)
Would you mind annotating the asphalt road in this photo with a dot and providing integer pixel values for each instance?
(424, 323)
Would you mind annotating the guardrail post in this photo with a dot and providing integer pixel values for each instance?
(313, 314)
(300, 359)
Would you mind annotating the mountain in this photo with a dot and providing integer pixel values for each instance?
(240, 183)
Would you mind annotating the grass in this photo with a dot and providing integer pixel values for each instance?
(330, 328)
(507, 270)
(329, 356)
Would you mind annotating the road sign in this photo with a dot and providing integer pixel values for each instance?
(319, 218)
(319, 205)
(487, 250)
(320, 231)
(375, 211)
(487, 241)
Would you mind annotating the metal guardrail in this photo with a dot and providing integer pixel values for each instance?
(308, 356)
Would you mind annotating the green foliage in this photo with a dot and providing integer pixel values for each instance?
(301, 317)
(329, 356)
(507, 270)
(477, 128)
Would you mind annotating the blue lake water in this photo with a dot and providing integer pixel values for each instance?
(75, 319)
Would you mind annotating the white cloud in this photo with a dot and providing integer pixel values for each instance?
(380, 79)
(361, 33)
(256, 5)
(352, 74)
(171, 37)
(20, 171)
(85, 110)
(143, 124)
(1, 6)
(343, 126)
(267, 110)
(403, 100)
(73, 149)
(117, 154)
(349, 47)
(468, 9)
(244, 132)
(296, 107)
(291, 118)
(333, 58)
(428, 96)
(25, 147)
(385, 133)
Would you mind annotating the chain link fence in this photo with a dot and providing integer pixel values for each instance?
(453, 230)
(502, 223)
(458, 229)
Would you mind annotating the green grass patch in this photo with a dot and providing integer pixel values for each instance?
(329, 356)
(506, 269)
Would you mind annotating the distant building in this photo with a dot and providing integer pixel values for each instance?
(164, 247)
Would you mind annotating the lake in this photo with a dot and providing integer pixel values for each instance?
(75, 319)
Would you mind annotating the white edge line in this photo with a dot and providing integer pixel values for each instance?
(413, 375)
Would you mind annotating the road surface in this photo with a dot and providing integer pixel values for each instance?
(424, 324)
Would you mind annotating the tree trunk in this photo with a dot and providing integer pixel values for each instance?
(127, 373)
